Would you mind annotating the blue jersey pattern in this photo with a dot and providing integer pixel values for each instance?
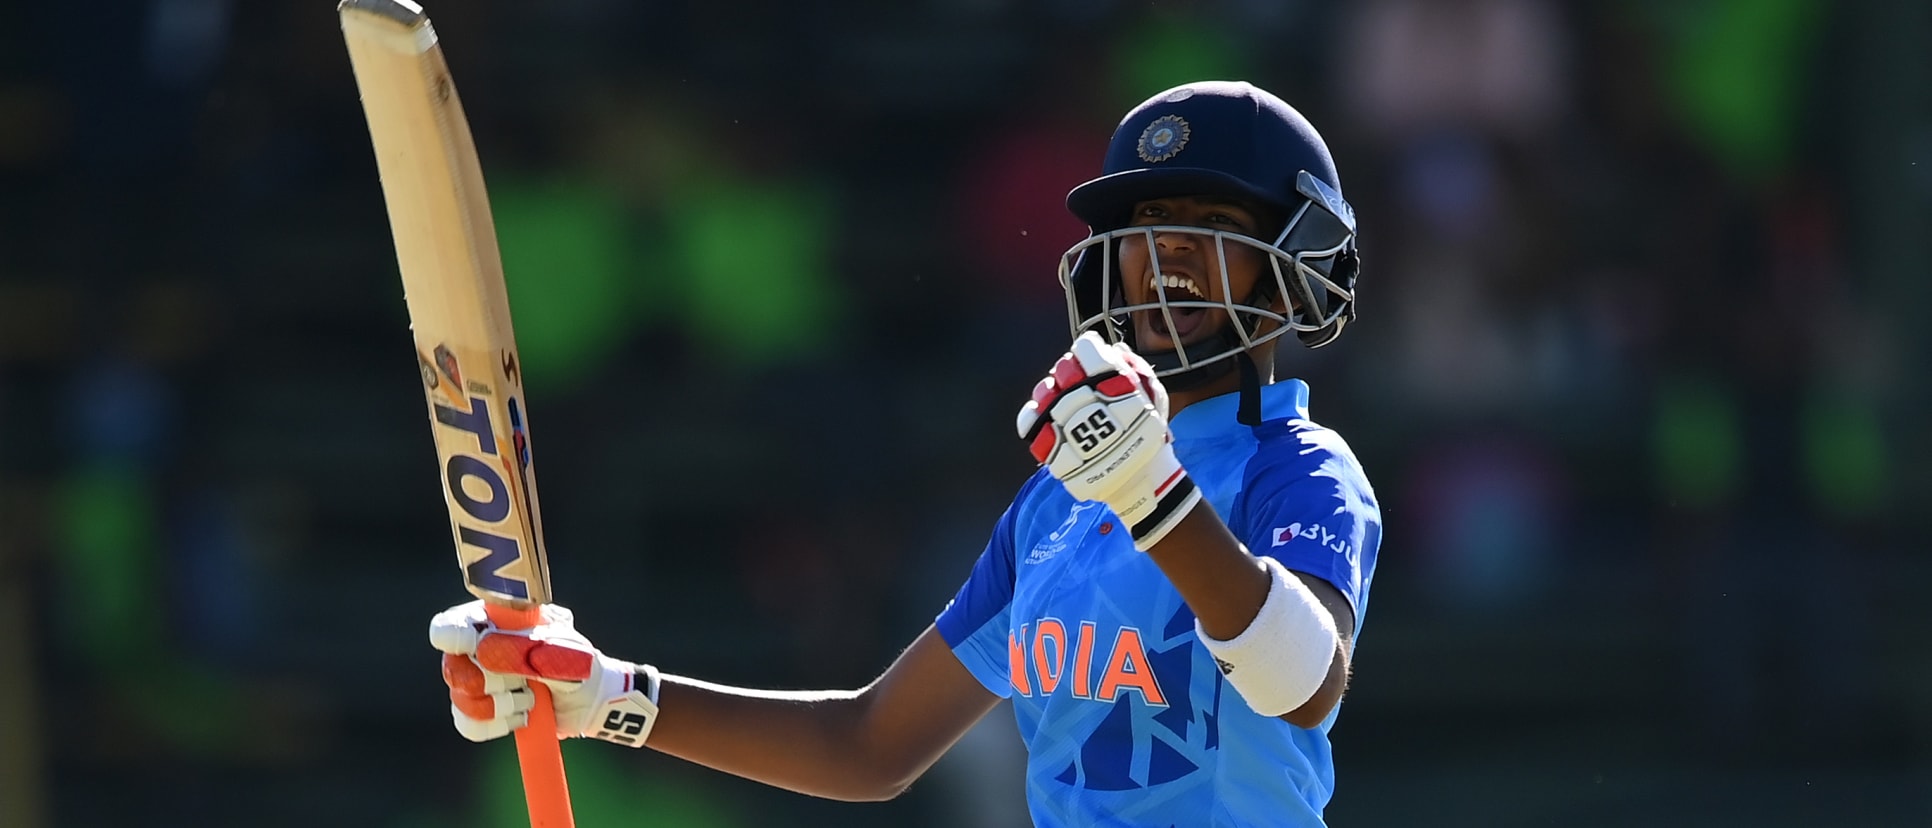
(1126, 719)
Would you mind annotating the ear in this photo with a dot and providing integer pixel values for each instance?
(1276, 303)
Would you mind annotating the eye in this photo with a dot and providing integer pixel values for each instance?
(1151, 211)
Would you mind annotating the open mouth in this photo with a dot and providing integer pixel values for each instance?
(1189, 322)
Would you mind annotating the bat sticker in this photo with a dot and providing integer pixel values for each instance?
(510, 368)
(429, 372)
(447, 361)
(518, 440)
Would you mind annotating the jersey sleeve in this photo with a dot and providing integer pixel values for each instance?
(1306, 503)
(976, 622)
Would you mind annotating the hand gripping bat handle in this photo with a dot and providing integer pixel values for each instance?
(539, 755)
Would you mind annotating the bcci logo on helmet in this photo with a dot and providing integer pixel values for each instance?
(1163, 139)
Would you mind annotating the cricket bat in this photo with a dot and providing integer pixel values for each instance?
(459, 314)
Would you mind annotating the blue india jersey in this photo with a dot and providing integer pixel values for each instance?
(1126, 719)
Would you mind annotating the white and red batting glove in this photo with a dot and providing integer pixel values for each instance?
(1098, 422)
(488, 671)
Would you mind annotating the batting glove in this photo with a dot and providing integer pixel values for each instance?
(488, 671)
(1098, 422)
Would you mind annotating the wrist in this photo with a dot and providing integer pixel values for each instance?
(1166, 494)
(627, 717)
(1171, 505)
(648, 680)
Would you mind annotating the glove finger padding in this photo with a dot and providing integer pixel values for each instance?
(1138, 367)
(511, 706)
(562, 661)
(464, 675)
(484, 705)
(483, 730)
(1090, 373)
(1095, 429)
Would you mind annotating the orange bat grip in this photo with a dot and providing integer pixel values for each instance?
(545, 789)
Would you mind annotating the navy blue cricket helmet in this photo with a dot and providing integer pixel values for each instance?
(1230, 140)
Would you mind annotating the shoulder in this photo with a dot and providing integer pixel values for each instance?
(1040, 487)
(1307, 502)
(1301, 455)
(1302, 444)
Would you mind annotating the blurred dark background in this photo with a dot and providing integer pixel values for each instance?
(1640, 375)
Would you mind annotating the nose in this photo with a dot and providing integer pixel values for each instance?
(1174, 241)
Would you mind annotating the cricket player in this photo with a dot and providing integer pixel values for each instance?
(1171, 601)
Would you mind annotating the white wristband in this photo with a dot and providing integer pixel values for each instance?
(627, 719)
(1282, 658)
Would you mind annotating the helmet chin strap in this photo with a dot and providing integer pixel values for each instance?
(1249, 411)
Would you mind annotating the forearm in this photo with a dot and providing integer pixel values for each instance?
(1223, 584)
(804, 741)
(854, 745)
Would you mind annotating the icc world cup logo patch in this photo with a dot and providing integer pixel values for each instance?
(1163, 139)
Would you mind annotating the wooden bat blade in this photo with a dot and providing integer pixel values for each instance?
(459, 310)
(459, 313)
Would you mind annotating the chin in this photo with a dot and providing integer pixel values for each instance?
(1192, 339)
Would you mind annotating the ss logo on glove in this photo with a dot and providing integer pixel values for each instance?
(622, 727)
(1098, 423)
(1095, 428)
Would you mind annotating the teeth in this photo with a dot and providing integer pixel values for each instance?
(1173, 282)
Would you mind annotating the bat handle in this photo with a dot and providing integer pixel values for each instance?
(545, 789)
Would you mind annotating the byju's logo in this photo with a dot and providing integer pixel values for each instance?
(1315, 532)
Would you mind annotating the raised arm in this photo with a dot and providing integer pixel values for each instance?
(1099, 423)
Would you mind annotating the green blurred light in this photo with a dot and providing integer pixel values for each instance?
(1844, 452)
(1166, 50)
(606, 788)
(107, 536)
(564, 260)
(1697, 445)
(752, 269)
(1738, 69)
(207, 714)
(740, 266)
